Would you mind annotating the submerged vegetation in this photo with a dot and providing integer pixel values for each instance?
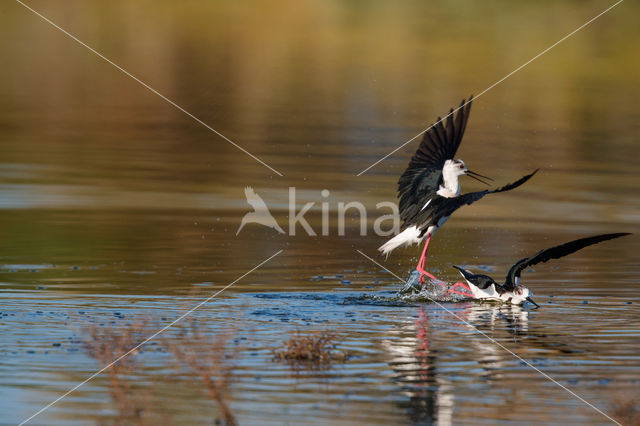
(314, 348)
(625, 409)
(107, 345)
(211, 362)
(204, 355)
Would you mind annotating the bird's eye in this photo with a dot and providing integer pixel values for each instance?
(519, 291)
(461, 166)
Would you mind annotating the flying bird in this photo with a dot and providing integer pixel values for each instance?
(484, 287)
(429, 189)
(260, 215)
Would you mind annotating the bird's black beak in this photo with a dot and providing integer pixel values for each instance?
(477, 176)
(530, 300)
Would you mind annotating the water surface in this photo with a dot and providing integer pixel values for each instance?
(114, 206)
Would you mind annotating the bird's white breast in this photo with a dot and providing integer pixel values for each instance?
(447, 192)
(490, 293)
(450, 187)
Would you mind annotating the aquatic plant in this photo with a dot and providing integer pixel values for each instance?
(626, 410)
(210, 360)
(206, 357)
(314, 347)
(107, 344)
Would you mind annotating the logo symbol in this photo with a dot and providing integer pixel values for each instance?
(260, 213)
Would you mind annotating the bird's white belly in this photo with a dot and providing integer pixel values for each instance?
(488, 293)
(447, 192)
(409, 236)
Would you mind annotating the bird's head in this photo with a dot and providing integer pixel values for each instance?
(458, 167)
(519, 296)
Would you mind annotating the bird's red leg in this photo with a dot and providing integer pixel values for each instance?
(454, 289)
(463, 285)
(422, 261)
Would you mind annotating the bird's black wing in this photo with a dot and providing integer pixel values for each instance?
(444, 207)
(554, 253)
(479, 280)
(423, 176)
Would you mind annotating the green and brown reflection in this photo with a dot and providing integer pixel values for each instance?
(110, 198)
(333, 85)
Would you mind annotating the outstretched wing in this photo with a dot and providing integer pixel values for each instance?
(444, 207)
(255, 200)
(423, 176)
(554, 253)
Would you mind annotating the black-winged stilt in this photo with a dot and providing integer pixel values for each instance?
(482, 286)
(429, 189)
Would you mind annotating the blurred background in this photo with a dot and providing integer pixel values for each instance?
(93, 164)
(106, 189)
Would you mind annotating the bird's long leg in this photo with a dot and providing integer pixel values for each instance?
(422, 261)
(455, 289)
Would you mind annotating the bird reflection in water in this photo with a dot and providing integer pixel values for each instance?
(414, 354)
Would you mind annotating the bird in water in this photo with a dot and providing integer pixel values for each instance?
(481, 286)
(429, 189)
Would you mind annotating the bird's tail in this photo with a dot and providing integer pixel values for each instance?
(466, 274)
(407, 237)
